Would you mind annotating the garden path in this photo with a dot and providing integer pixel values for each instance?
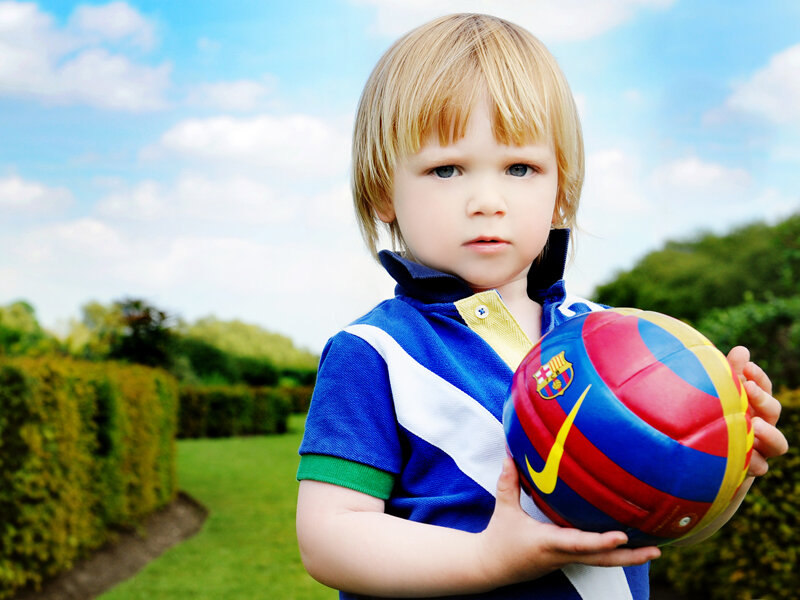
(124, 558)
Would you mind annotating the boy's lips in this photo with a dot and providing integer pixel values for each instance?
(487, 244)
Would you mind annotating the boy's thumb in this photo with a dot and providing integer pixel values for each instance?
(508, 484)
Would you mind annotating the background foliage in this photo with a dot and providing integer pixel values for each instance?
(738, 289)
(84, 448)
(741, 288)
(686, 279)
(225, 411)
(755, 555)
(209, 351)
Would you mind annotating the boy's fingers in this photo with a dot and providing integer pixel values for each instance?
(600, 549)
(769, 440)
(738, 357)
(755, 373)
(508, 484)
(758, 465)
(622, 557)
(575, 541)
(762, 403)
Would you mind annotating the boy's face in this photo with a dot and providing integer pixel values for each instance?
(476, 208)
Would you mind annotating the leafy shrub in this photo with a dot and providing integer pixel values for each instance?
(207, 362)
(687, 278)
(300, 376)
(299, 397)
(21, 334)
(256, 371)
(84, 448)
(224, 411)
(771, 330)
(271, 410)
(755, 555)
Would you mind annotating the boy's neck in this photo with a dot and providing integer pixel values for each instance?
(529, 316)
(527, 312)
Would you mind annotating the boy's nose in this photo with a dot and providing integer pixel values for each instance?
(486, 199)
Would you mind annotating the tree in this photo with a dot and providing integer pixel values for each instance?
(248, 340)
(770, 330)
(21, 333)
(686, 279)
(145, 337)
(94, 335)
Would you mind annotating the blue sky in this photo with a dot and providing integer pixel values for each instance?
(196, 154)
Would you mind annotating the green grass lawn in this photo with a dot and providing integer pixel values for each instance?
(247, 548)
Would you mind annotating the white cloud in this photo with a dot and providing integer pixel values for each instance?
(200, 198)
(299, 145)
(691, 178)
(786, 153)
(110, 81)
(628, 210)
(61, 248)
(114, 21)
(18, 196)
(70, 65)
(611, 181)
(552, 20)
(771, 93)
(774, 205)
(331, 209)
(243, 95)
(298, 287)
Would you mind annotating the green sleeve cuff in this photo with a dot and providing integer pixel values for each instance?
(355, 476)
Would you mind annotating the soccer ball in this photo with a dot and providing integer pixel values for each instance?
(629, 420)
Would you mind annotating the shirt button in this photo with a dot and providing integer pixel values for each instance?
(481, 311)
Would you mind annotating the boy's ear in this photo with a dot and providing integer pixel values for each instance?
(385, 211)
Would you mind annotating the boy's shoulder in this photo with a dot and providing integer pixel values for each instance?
(409, 322)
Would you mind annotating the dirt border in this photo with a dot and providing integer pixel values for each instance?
(166, 528)
(122, 559)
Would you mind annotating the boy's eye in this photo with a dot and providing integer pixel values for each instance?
(519, 170)
(445, 172)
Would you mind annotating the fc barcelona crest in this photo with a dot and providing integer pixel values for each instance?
(553, 378)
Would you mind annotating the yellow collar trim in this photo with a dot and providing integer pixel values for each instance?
(487, 315)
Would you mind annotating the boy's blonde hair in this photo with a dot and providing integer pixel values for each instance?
(428, 81)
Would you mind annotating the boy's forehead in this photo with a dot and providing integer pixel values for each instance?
(442, 135)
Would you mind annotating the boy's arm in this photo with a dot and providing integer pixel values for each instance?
(347, 542)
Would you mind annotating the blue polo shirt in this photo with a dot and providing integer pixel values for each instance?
(408, 407)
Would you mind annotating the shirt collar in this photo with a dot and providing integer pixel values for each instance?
(429, 285)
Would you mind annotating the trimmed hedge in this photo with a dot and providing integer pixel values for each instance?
(85, 448)
(755, 555)
(224, 411)
(300, 397)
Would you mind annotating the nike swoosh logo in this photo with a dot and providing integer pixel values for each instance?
(546, 479)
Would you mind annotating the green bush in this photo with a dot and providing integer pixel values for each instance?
(271, 410)
(755, 555)
(299, 397)
(686, 278)
(84, 448)
(771, 330)
(224, 411)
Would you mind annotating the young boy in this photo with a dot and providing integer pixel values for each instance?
(468, 147)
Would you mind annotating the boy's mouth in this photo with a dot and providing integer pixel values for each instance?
(487, 240)
(487, 243)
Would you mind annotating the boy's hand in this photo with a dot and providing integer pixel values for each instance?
(765, 410)
(515, 547)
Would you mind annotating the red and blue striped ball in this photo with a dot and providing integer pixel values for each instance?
(629, 420)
